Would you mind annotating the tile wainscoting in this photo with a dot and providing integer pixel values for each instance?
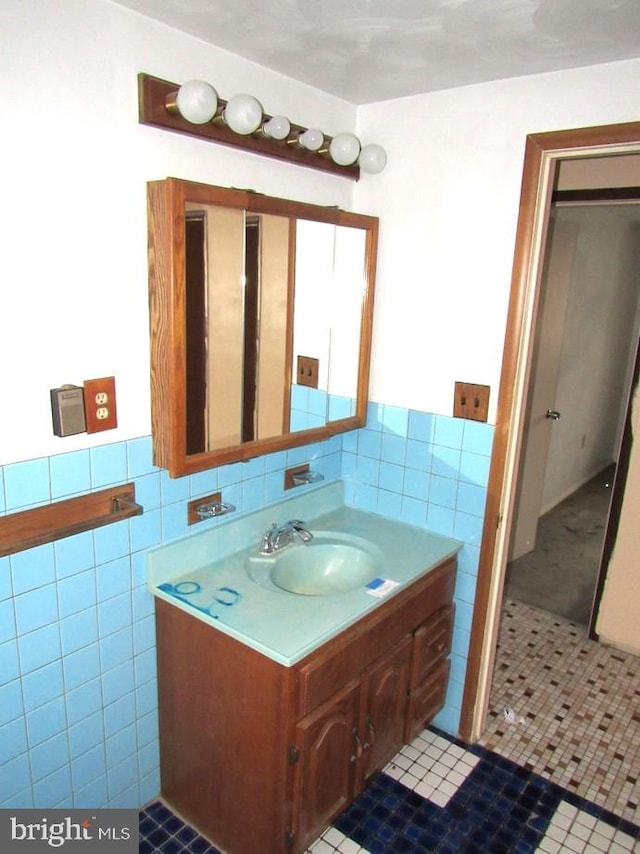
(78, 703)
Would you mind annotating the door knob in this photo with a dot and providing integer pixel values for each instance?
(553, 414)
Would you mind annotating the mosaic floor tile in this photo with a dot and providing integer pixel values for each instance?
(576, 704)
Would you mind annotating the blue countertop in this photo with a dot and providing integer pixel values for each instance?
(207, 574)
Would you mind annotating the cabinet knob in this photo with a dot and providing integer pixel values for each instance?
(358, 742)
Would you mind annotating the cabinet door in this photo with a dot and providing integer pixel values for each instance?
(325, 774)
(384, 689)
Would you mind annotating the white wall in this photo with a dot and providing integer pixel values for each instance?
(448, 203)
(601, 328)
(73, 302)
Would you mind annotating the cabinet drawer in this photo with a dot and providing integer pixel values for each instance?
(431, 644)
(346, 656)
(426, 700)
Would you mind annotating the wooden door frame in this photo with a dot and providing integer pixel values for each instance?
(543, 151)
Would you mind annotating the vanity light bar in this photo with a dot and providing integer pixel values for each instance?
(159, 106)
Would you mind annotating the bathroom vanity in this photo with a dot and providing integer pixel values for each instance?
(270, 728)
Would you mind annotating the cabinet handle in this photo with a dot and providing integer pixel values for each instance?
(359, 748)
(372, 733)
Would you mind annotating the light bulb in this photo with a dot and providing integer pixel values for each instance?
(243, 114)
(373, 159)
(344, 149)
(311, 139)
(197, 101)
(278, 127)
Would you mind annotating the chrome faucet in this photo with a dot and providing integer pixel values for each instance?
(277, 538)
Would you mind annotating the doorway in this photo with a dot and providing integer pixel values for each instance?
(579, 390)
(542, 155)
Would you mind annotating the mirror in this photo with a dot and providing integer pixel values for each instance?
(261, 313)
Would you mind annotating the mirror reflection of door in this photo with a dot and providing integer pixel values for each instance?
(238, 326)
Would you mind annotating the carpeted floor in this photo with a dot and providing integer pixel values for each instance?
(560, 574)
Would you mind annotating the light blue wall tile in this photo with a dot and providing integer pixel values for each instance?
(54, 790)
(13, 740)
(468, 528)
(9, 664)
(123, 711)
(81, 666)
(149, 758)
(6, 588)
(118, 682)
(367, 470)
(88, 767)
(114, 614)
(7, 621)
(370, 443)
(419, 455)
(139, 457)
(448, 431)
(389, 504)
(74, 554)
(173, 489)
(391, 477)
(39, 648)
(108, 465)
(253, 493)
(394, 449)
(32, 568)
(145, 666)
(414, 511)
(79, 629)
(465, 586)
(421, 426)
(113, 578)
(27, 484)
(15, 778)
(96, 792)
(42, 685)
(471, 499)
(203, 483)
(146, 697)
(83, 701)
(375, 416)
(145, 531)
(36, 608)
(474, 468)
(148, 491)
(116, 649)
(416, 484)
(46, 721)
(395, 420)
(122, 776)
(443, 491)
(440, 520)
(70, 474)
(121, 746)
(477, 438)
(77, 592)
(86, 734)
(445, 462)
(111, 541)
(10, 702)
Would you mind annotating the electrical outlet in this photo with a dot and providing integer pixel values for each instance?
(100, 404)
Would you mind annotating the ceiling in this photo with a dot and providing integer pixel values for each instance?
(375, 50)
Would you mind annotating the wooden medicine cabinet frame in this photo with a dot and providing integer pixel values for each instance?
(167, 202)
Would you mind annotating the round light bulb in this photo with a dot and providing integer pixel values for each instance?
(344, 149)
(197, 101)
(278, 127)
(311, 139)
(243, 114)
(373, 159)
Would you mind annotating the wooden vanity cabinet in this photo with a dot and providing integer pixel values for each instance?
(261, 757)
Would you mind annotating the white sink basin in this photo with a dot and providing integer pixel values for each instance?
(330, 563)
